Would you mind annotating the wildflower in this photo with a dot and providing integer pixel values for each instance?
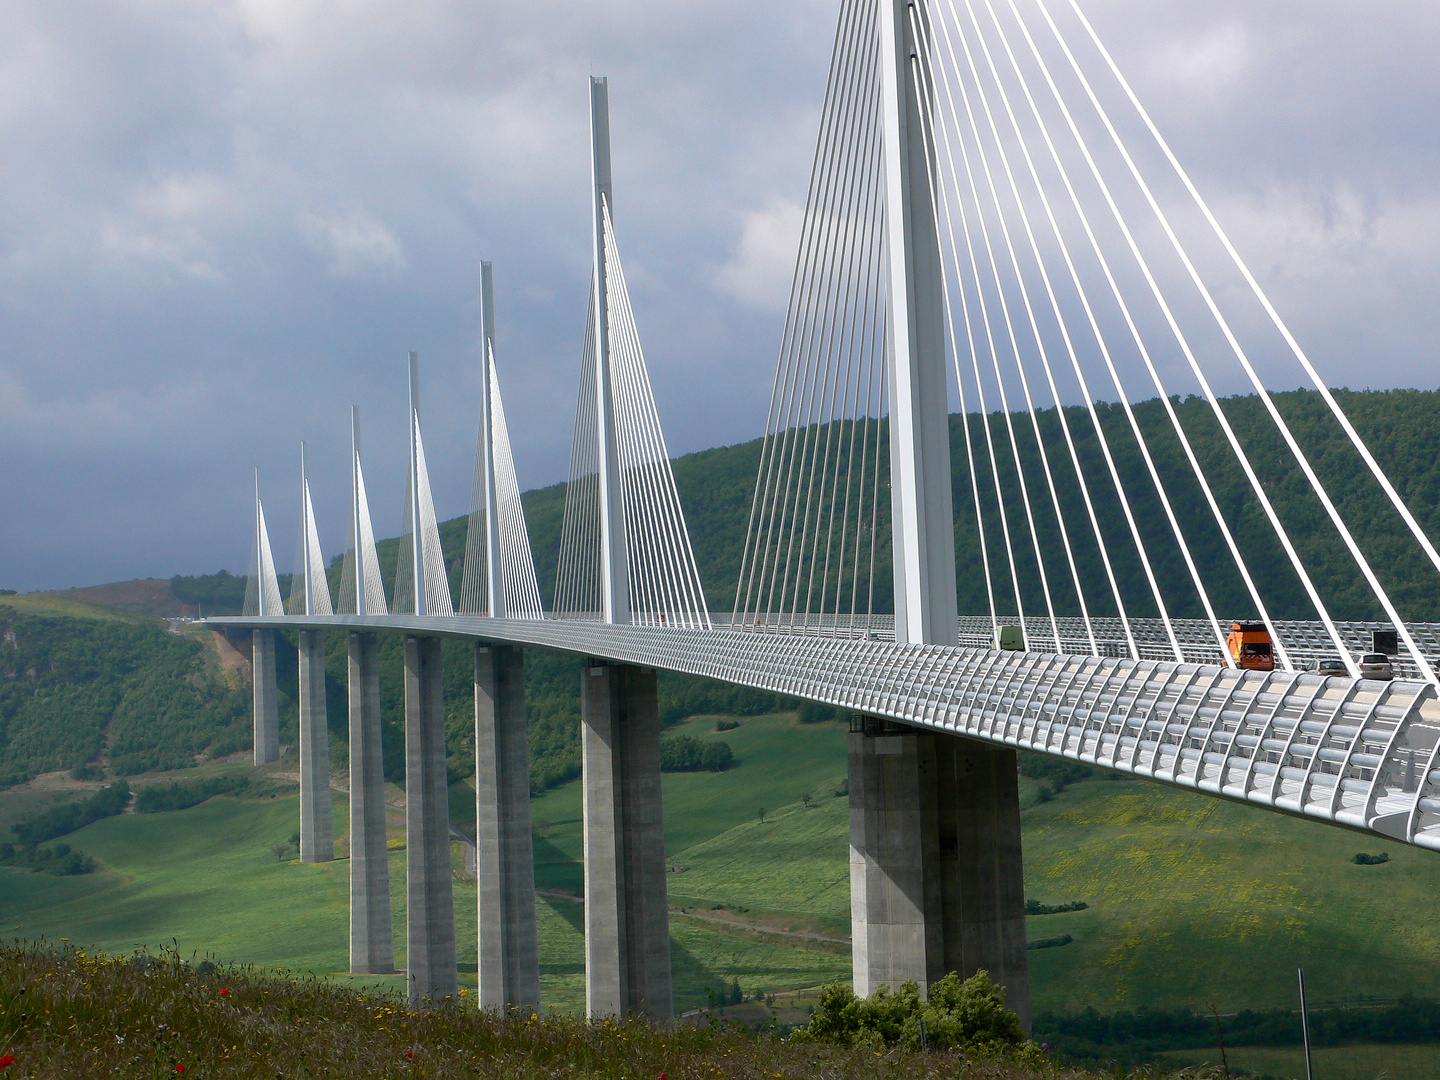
(7, 1061)
(409, 1053)
(224, 991)
(179, 1068)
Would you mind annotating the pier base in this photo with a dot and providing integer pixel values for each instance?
(936, 869)
(627, 921)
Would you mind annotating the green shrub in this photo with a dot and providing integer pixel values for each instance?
(1034, 907)
(68, 817)
(1051, 942)
(965, 1014)
(726, 995)
(159, 798)
(684, 753)
(1056, 773)
(726, 723)
(968, 1015)
(811, 712)
(61, 860)
(1371, 860)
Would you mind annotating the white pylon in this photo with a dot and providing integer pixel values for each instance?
(614, 563)
(922, 515)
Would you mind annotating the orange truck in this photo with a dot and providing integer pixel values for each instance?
(1250, 646)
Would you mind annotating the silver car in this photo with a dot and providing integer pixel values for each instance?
(1374, 665)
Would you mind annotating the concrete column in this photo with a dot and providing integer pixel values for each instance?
(372, 945)
(936, 869)
(317, 821)
(627, 920)
(429, 888)
(508, 949)
(267, 708)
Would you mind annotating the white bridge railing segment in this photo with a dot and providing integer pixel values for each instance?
(1355, 752)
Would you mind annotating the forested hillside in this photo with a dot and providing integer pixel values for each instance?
(80, 685)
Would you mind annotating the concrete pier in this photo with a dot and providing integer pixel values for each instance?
(267, 706)
(936, 869)
(317, 821)
(429, 887)
(508, 949)
(372, 945)
(627, 922)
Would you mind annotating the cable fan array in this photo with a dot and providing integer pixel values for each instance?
(497, 517)
(820, 517)
(421, 583)
(663, 583)
(1066, 281)
(309, 590)
(362, 589)
(262, 586)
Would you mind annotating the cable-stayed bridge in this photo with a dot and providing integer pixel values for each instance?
(989, 201)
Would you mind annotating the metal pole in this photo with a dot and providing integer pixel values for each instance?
(418, 559)
(1305, 1027)
(614, 566)
(924, 531)
(493, 587)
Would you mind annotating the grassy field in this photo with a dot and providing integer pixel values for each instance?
(65, 1013)
(1394, 1062)
(1198, 901)
(1192, 901)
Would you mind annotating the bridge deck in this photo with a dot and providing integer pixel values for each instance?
(1355, 752)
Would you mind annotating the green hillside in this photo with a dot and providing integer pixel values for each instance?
(81, 684)
(1192, 901)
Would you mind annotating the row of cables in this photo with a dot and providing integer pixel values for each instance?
(819, 521)
(662, 581)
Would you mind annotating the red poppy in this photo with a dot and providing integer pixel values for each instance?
(409, 1053)
(224, 991)
(7, 1061)
(179, 1067)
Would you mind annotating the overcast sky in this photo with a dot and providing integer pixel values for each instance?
(224, 221)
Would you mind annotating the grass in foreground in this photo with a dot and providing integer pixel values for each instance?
(66, 1014)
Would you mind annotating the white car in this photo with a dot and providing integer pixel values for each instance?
(1374, 665)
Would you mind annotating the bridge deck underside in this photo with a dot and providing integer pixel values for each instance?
(1355, 752)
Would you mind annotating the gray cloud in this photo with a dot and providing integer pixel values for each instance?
(223, 222)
